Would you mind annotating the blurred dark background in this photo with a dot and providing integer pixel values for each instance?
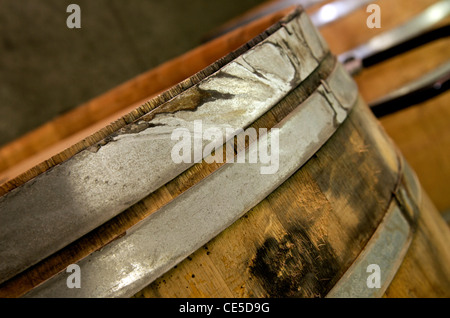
(47, 69)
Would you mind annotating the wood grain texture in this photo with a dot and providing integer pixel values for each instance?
(424, 272)
(192, 219)
(421, 132)
(423, 135)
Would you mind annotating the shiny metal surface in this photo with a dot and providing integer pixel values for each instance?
(329, 13)
(336, 10)
(274, 7)
(192, 219)
(266, 10)
(418, 25)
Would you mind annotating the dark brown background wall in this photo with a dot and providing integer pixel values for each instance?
(47, 69)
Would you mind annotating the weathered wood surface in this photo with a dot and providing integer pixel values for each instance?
(422, 132)
(416, 276)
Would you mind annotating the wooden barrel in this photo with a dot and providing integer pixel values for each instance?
(335, 200)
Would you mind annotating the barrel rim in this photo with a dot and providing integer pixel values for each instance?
(152, 104)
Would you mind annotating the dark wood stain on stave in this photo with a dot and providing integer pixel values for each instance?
(371, 192)
(295, 266)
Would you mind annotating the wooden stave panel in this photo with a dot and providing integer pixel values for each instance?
(424, 122)
(415, 131)
(424, 272)
(422, 134)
